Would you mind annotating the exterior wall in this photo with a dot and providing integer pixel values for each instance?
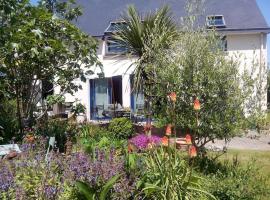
(112, 66)
(251, 51)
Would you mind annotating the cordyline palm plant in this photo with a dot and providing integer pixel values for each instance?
(142, 36)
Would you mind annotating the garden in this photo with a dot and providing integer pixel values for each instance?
(199, 97)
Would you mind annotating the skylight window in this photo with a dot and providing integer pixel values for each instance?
(115, 26)
(215, 21)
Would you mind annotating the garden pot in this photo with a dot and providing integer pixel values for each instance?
(80, 118)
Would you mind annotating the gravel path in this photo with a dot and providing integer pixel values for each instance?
(261, 143)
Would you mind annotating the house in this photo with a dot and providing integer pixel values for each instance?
(240, 21)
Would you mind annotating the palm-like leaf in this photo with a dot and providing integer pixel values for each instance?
(143, 35)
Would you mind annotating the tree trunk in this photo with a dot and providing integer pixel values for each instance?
(19, 116)
(148, 111)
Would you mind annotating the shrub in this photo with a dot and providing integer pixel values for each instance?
(57, 128)
(30, 176)
(92, 137)
(168, 176)
(8, 120)
(196, 67)
(121, 128)
(93, 131)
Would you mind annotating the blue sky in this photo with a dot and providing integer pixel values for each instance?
(265, 8)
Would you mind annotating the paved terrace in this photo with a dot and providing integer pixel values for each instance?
(261, 143)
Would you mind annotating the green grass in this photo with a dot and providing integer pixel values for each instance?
(261, 159)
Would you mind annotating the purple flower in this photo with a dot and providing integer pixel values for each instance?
(141, 141)
(6, 176)
(50, 192)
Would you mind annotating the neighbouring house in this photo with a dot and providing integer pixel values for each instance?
(240, 21)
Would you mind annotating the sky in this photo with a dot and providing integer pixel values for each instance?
(265, 8)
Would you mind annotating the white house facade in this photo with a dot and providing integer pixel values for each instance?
(240, 21)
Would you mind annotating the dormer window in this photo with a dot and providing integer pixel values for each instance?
(115, 47)
(215, 21)
(112, 45)
(115, 26)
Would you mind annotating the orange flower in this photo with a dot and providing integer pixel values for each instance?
(165, 141)
(130, 148)
(197, 104)
(192, 151)
(188, 139)
(172, 96)
(168, 130)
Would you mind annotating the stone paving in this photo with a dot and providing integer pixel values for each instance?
(261, 142)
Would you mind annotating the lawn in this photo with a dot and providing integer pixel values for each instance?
(261, 158)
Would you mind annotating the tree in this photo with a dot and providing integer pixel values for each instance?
(65, 9)
(36, 45)
(197, 68)
(142, 36)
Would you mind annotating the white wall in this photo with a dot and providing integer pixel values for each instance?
(251, 51)
(112, 66)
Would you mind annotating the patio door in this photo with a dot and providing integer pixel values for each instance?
(104, 91)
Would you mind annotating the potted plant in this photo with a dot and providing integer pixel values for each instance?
(79, 112)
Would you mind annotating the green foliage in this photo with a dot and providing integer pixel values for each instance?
(168, 176)
(60, 129)
(69, 192)
(54, 99)
(157, 30)
(121, 128)
(196, 67)
(67, 9)
(231, 180)
(93, 136)
(37, 46)
(78, 109)
(97, 193)
(31, 180)
(8, 120)
(93, 131)
(57, 128)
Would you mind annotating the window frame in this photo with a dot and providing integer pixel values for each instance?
(108, 42)
(209, 25)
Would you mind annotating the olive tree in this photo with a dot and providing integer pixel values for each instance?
(197, 67)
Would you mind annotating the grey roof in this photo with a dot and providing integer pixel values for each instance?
(239, 15)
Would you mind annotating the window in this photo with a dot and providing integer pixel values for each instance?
(215, 21)
(114, 47)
